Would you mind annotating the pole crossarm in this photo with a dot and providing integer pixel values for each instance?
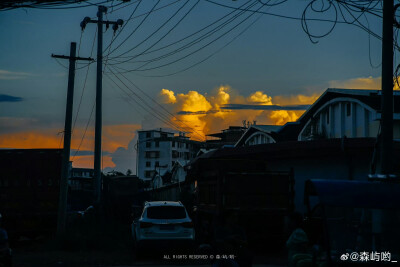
(73, 58)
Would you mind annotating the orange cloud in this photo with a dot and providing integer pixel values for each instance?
(204, 114)
(357, 83)
(114, 136)
(167, 96)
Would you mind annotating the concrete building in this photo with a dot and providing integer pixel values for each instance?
(158, 151)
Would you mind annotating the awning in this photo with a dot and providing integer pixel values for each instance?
(356, 194)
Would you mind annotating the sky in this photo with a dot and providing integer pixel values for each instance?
(173, 64)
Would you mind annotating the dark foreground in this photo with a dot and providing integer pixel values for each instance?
(110, 244)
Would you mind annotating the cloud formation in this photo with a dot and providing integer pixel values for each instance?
(204, 114)
(11, 75)
(10, 98)
(116, 140)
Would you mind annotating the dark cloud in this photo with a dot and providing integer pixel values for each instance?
(87, 152)
(10, 98)
(196, 112)
(265, 107)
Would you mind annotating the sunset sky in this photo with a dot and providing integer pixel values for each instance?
(252, 58)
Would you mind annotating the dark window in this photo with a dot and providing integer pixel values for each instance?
(148, 144)
(348, 109)
(157, 144)
(173, 143)
(166, 212)
(172, 163)
(148, 164)
(148, 174)
(157, 164)
(148, 135)
(163, 135)
(152, 154)
(175, 154)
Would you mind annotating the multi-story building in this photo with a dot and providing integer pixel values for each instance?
(158, 150)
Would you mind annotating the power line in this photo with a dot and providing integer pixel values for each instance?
(150, 109)
(161, 106)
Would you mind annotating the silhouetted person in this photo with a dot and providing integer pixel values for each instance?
(298, 241)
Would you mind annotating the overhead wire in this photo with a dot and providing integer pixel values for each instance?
(191, 53)
(198, 39)
(159, 28)
(161, 106)
(145, 105)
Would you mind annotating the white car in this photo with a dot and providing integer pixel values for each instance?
(163, 222)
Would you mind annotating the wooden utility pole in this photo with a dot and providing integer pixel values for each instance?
(62, 205)
(99, 93)
(385, 165)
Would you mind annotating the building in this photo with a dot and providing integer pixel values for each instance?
(227, 137)
(158, 151)
(259, 134)
(331, 159)
(344, 112)
(29, 190)
(81, 179)
(337, 113)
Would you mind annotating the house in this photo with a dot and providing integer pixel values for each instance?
(337, 113)
(81, 179)
(259, 134)
(332, 159)
(158, 150)
(346, 112)
(227, 137)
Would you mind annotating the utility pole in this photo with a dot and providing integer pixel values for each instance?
(62, 205)
(386, 140)
(99, 93)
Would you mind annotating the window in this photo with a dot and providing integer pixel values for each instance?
(166, 212)
(163, 135)
(148, 164)
(152, 154)
(173, 143)
(148, 135)
(148, 144)
(172, 163)
(157, 144)
(348, 109)
(157, 164)
(175, 154)
(148, 174)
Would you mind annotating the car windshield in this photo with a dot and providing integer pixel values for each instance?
(166, 212)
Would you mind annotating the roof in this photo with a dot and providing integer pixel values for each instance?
(293, 149)
(269, 129)
(357, 194)
(156, 130)
(163, 203)
(371, 98)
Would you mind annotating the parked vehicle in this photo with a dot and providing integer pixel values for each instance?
(163, 222)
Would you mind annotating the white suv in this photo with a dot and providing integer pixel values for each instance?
(163, 221)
